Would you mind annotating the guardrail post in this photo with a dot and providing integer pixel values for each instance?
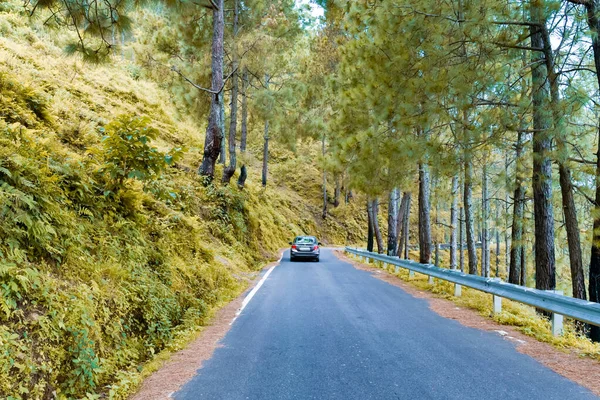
(385, 266)
(497, 304)
(557, 319)
(411, 273)
(457, 290)
(396, 268)
(431, 281)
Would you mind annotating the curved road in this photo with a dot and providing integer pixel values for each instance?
(328, 331)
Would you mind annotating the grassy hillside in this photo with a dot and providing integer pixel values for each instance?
(99, 274)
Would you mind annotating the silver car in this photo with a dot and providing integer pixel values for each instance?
(305, 247)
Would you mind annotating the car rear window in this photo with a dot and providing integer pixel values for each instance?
(305, 240)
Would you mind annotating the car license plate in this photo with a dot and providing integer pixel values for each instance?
(304, 248)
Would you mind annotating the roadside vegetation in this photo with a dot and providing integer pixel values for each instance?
(112, 249)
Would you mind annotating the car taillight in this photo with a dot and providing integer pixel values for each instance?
(294, 247)
(316, 248)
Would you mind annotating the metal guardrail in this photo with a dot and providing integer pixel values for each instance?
(581, 310)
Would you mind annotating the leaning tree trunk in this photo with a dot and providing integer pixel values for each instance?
(371, 230)
(424, 215)
(469, 224)
(376, 230)
(393, 222)
(212, 141)
(514, 275)
(545, 264)
(244, 134)
(454, 222)
(230, 170)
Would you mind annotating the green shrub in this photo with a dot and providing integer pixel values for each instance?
(128, 154)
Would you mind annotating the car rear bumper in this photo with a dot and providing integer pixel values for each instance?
(305, 254)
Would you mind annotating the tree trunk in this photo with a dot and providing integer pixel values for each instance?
(265, 163)
(424, 215)
(593, 8)
(469, 224)
(506, 214)
(518, 212)
(461, 240)
(371, 230)
(338, 191)
(212, 141)
(485, 214)
(566, 185)
(244, 134)
(230, 170)
(403, 215)
(497, 239)
(454, 222)
(594, 278)
(392, 248)
(405, 229)
(324, 214)
(572, 227)
(376, 230)
(545, 265)
(223, 155)
(523, 266)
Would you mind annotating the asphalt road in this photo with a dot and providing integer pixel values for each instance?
(328, 331)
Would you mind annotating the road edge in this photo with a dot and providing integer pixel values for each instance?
(582, 371)
(184, 364)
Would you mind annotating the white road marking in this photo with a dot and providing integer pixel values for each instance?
(253, 292)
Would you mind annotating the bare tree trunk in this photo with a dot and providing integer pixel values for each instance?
(485, 214)
(453, 221)
(377, 231)
(545, 265)
(424, 215)
(212, 141)
(371, 231)
(244, 134)
(469, 225)
(392, 248)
